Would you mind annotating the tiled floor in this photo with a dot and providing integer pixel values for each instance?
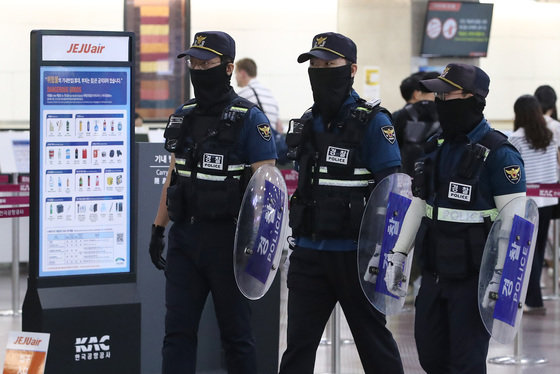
(541, 337)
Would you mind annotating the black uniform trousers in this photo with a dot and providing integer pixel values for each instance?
(449, 332)
(316, 281)
(534, 294)
(200, 261)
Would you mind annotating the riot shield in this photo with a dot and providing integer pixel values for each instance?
(506, 266)
(261, 232)
(379, 231)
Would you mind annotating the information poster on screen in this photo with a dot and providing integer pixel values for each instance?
(457, 29)
(85, 172)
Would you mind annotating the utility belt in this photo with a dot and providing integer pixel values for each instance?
(450, 242)
(200, 196)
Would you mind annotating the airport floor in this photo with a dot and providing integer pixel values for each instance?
(540, 339)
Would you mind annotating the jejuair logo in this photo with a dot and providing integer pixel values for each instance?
(320, 41)
(85, 48)
(199, 40)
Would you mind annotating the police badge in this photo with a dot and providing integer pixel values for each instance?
(389, 133)
(513, 173)
(264, 131)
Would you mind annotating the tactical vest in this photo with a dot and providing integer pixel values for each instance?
(415, 135)
(452, 235)
(209, 178)
(333, 184)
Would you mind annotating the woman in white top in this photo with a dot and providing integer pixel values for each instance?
(539, 149)
(547, 99)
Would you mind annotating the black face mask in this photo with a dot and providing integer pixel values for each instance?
(211, 86)
(458, 117)
(331, 86)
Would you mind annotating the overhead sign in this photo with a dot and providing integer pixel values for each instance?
(457, 29)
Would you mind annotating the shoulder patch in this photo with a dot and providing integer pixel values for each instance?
(264, 131)
(513, 173)
(389, 133)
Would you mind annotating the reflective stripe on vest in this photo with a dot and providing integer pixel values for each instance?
(239, 167)
(238, 109)
(215, 178)
(357, 171)
(206, 177)
(460, 215)
(342, 183)
(188, 106)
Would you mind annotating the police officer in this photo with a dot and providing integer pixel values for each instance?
(342, 145)
(213, 139)
(469, 175)
(417, 121)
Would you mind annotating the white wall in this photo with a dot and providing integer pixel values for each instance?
(18, 18)
(524, 52)
(273, 34)
(6, 235)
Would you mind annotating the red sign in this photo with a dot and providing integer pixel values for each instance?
(445, 6)
(4, 179)
(14, 188)
(544, 190)
(291, 178)
(14, 200)
(24, 179)
(14, 212)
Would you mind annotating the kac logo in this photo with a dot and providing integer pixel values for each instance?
(91, 348)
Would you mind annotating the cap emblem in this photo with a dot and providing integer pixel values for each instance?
(199, 41)
(445, 71)
(320, 41)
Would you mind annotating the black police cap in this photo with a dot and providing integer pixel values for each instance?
(329, 46)
(209, 44)
(457, 76)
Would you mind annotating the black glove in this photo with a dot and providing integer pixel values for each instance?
(156, 246)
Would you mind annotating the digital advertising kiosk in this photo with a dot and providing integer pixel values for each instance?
(82, 267)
